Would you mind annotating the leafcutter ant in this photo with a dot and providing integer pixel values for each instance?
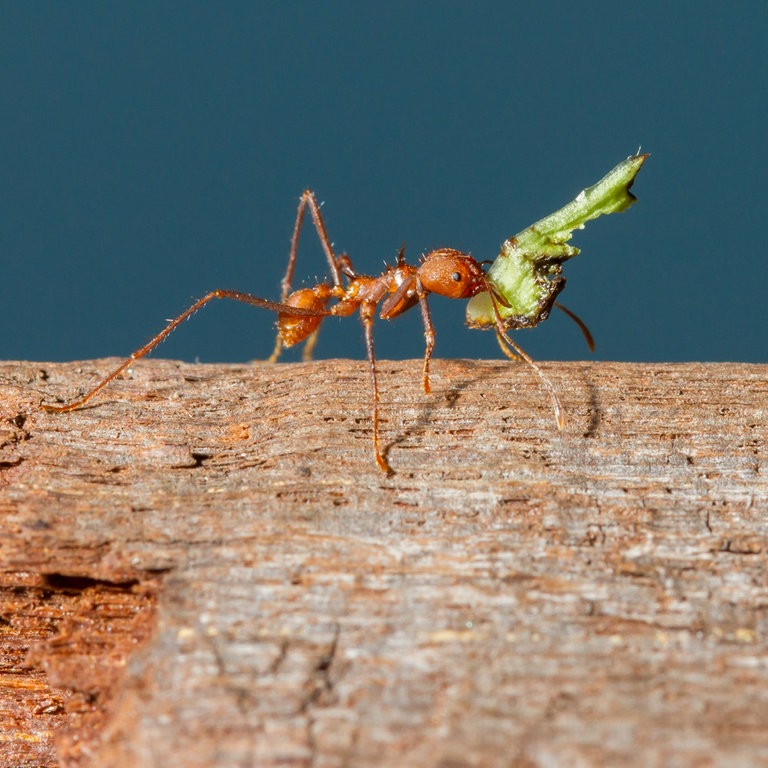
(445, 271)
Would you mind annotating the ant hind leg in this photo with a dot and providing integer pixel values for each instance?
(337, 264)
(246, 298)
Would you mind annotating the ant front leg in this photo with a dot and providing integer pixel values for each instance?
(514, 351)
(405, 296)
(309, 200)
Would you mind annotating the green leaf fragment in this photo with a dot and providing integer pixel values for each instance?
(526, 273)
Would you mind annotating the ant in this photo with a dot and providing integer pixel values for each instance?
(444, 271)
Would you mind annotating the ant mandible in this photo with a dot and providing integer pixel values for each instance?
(445, 271)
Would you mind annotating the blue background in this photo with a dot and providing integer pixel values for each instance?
(154, 151)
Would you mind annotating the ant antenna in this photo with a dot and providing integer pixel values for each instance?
(576, 319)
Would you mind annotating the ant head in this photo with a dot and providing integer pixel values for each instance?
(452, 273)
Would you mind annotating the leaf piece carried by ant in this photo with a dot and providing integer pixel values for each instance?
(526, 273)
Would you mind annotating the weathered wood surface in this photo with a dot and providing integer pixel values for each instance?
(206, 567)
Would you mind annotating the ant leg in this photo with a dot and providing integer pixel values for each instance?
(429, 334)
(278, 348)
(366, 315)
(309, 346)
(507, 345)
(307, 199)
(246, 298)
(502, 336)
(505, 348)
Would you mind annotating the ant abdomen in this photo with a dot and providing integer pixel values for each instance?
(296, 328)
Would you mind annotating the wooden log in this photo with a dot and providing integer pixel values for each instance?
(205, 566)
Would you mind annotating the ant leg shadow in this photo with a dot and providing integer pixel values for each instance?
(432, 404)
(595, 411)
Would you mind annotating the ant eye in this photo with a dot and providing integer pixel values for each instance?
(456, 276)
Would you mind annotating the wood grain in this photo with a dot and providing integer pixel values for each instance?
(205, 567)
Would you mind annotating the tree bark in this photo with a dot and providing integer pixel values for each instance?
(205, 566)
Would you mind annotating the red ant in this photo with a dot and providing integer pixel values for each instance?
(444, 271)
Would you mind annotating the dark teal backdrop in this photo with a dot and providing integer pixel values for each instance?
(154, 151)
